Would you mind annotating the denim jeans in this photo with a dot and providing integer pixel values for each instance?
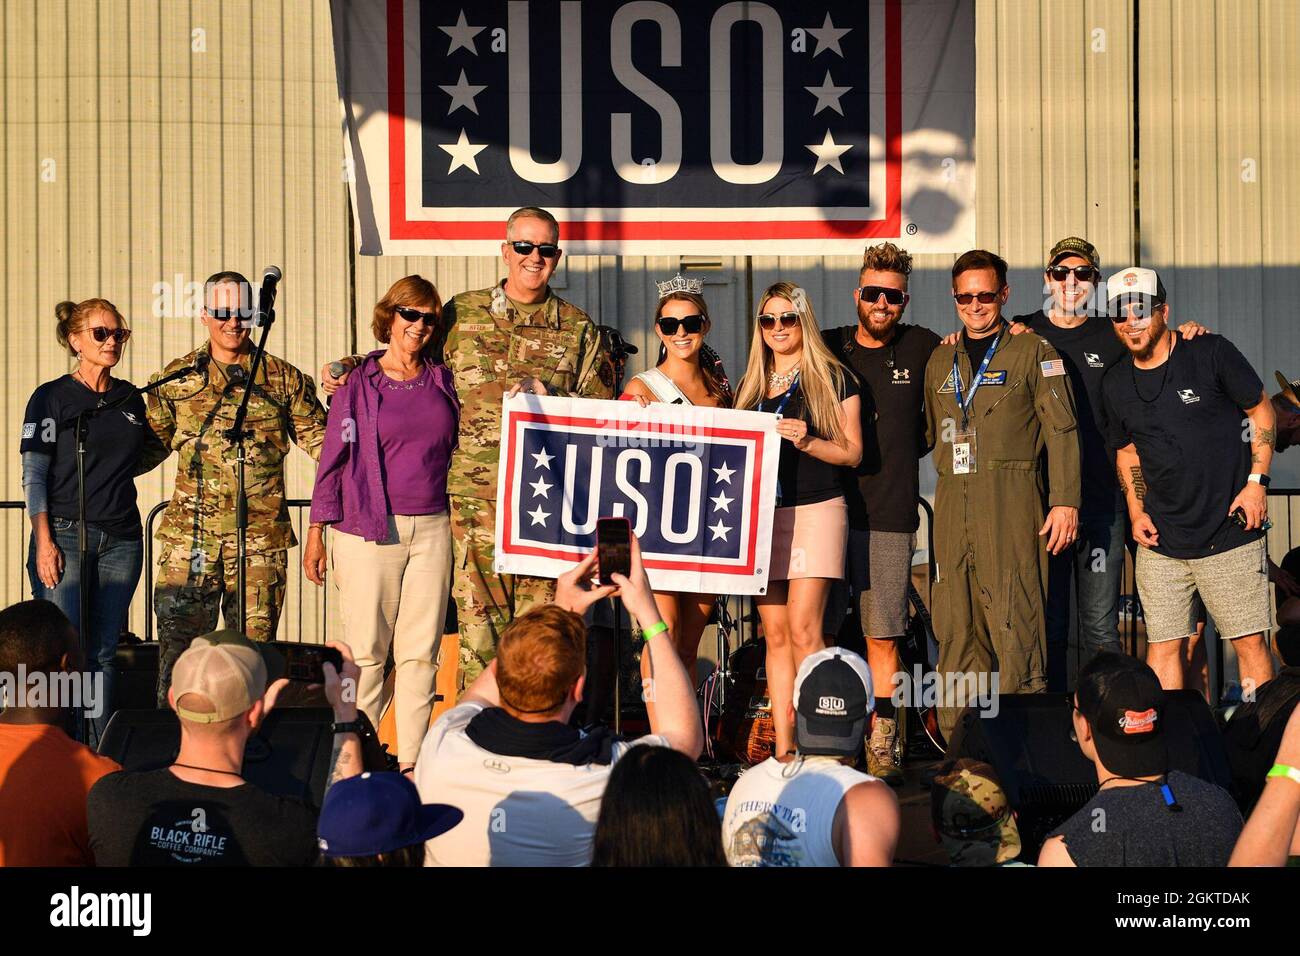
(1096, 569)
(113, 566)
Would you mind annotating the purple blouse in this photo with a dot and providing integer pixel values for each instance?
(387, 449)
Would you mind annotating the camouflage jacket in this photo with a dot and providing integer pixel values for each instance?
(490, 347)
(191, 417)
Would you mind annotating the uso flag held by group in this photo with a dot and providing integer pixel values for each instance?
(696, 484)
(654, 128)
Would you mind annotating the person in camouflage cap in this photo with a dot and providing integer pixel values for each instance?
(971, 815)
(197, 567)
(517, 335)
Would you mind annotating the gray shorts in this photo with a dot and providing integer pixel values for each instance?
(878, 567)
(1233, 586)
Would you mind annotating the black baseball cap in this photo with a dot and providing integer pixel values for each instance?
(832, 698)
(1074, 246)
(1124, 704)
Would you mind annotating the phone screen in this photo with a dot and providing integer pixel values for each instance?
(613, 548)
(303, 662)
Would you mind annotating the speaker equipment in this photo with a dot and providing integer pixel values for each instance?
(289, 755)
(746, 731)
(1043, 772)
(136, 662)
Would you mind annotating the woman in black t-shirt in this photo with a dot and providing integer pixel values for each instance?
(793, 374)
(119, 445)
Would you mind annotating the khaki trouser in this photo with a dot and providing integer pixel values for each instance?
(486, 601)
(989, 595)
(395, 595)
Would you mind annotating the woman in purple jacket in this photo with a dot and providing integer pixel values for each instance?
(382, 486)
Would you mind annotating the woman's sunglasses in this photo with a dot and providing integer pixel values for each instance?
(690, 324)
(415, 315)
(549, 250)
(788, 320)
(103, 334)
(1082, 273)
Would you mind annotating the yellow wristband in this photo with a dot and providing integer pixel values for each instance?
(653, 629)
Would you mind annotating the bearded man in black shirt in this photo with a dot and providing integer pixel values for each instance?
(889, 358)
(1195, 481)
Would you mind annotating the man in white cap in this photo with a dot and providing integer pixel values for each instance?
(810, 807)
(1194, 480)
(200, 810)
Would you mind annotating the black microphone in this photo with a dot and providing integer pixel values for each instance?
(266, 297)
(179, 373)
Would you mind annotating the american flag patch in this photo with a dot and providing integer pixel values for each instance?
(1054, 367)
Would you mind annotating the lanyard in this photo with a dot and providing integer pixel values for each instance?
(975, 382)
(779, 409)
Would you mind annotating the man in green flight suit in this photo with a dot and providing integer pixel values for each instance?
(197, 566)
(994, 402)
(515, 335)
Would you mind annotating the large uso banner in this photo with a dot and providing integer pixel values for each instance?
(697, 484)
(655, 128)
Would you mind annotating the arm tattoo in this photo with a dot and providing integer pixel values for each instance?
(1266, 437)
(339, 762)
(1123, 485)
(1139, 483)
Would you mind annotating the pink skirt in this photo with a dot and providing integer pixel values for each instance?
(808, 541)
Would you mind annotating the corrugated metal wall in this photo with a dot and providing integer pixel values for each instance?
(148, 143)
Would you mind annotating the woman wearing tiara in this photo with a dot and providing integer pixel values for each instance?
(793, 374)
(688, 373)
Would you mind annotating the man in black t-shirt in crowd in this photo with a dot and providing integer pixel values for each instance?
(1194, 479)
(1144, 814)
(200, 811)
(889, 357)
(1095, 566)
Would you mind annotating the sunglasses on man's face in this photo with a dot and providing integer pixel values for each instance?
(690, 324)
(103, 334)
(768, 321)
(225, 315)
(1081, 273)
(415, 315)
(1142, 308)
(870, 293)
(549, 250)
(966, 298)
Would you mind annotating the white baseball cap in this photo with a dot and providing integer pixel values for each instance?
(1132, 283)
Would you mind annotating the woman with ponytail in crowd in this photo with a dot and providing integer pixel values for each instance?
(119, 445)
(792, 374)
(688, 373)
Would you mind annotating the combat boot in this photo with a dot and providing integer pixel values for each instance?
(883, 758)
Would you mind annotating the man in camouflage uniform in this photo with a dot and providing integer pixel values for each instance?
(516, 335)
(198, 546)
(972, 816)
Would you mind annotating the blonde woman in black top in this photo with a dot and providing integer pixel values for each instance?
(793, 374)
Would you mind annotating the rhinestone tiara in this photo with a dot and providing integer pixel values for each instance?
(679, 283)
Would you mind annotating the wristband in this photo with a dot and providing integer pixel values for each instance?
(652, 630)
(1282, 770)
(1259, 478)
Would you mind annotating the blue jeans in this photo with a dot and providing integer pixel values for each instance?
(113, 568)
(1096, 569)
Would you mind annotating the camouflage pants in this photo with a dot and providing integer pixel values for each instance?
(190, 589)
(485, 600)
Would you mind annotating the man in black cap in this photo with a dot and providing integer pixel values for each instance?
(810, 807)
(1144, 814)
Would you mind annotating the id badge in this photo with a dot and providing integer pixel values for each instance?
(963, 452)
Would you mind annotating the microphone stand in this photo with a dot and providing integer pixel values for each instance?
(264, 318)
(81, 424)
